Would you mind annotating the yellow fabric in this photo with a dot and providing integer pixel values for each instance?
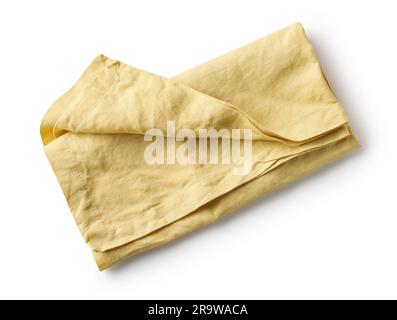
(93, 138)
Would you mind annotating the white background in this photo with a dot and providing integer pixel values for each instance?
(332, 235)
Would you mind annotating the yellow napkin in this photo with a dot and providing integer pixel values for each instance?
(94, 139)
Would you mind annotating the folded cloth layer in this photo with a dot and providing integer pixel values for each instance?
(93, 137)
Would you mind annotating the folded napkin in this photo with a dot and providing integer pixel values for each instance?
(96, 137)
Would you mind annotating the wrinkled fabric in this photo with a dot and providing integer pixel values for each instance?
(93, 138)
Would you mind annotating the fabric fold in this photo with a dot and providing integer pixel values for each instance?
(94, 139)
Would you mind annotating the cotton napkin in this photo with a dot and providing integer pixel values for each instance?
(93, 136)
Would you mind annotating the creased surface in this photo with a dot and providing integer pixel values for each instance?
(93, 138)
